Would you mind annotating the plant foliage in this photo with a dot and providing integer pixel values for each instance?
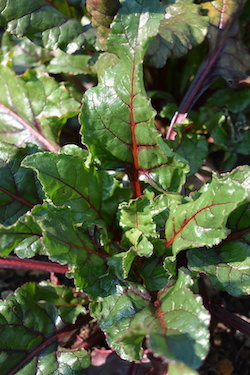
(91, 179)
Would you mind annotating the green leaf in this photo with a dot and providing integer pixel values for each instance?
(19, 188)
(154, 275)
(67, 243)
(182, 29)
(117, 118)
(122, 263)
(176, 318)
(228, 265)
(117, 314)
(23, 237)
(69, 64)
(93, 195)
(42, 23)
(180, 330)
(37, 323)
(33, 108)
(203, 221)
(194, 149)
(139, 219)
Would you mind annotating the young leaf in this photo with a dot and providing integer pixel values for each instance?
(42, 23)
(183, 28)
(33, 108)
(117, 119)
(90, 193)
(203, 222)
(19, 188)
(41, 326)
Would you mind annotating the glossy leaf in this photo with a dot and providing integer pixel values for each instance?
(128, 316)
(34, 109)
(23, 237)
(91, 194)
(182, 29)
(19, 188)
(40, 326)
(180, 318)
(228, 265)
(117, 314)
(203, 221)
(42, 23)
(117, 119)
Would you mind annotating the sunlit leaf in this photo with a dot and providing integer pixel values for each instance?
(117, 118)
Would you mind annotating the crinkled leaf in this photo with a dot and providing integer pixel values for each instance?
(38, 324)
(122, 262)
(23, 237)
(176, 318)
(139, 219)
(33, 108)
(67, 243)
(19, 188)
(203, 222)
(180, 330)
(117, 313)
(42, 23)
(117, 118)
(228, 265)
(102, 13)
(138, 214)
(182, 29)
(67, 181)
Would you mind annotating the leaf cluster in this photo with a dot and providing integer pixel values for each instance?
(120, 180)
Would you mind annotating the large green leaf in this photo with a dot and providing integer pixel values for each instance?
(93, 195)
(41, 22)
(19, 188)
(117, 118)
(203, 221)
(176, 324)
(183, 28)
(67, 243)
(38, 315)
(33, 108)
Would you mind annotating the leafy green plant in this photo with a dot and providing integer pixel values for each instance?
(119, 212)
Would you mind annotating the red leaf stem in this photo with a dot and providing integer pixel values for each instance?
(26, 203)
(31, 264)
